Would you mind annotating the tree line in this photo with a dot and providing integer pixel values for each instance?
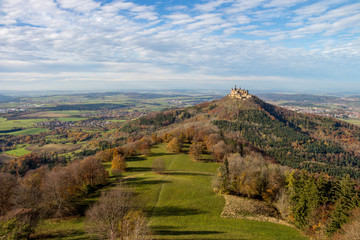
(318, 204)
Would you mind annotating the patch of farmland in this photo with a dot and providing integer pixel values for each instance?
(60, 148)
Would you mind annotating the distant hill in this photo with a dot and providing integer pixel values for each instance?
(298, 98)
(4, 99)
(303, 141)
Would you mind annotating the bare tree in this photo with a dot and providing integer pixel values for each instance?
(8, 183)
(56, 195)
(351, 230)
(105, 216)
(28, 193)
(158, 165)
(93, 171)
(134, 226)
(195, 150)
(18, 224)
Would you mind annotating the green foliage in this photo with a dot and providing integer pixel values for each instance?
(162, 119)
(18, 224)
(346, 200)
(175, 145)
(29, 161)
(118, 165)
(249, 176)
(309, 194)
(286, 139)
(305, 200)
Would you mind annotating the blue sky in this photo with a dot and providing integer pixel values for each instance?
(295, 45)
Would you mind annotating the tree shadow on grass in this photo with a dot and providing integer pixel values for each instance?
(59, 234)
(138, 169)
(206, 160)
(160, 154)
(172, 231)
(168, 211)
(143, 181)
(187, 173)
(136, 159)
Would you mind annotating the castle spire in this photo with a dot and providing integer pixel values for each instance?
(240, 93)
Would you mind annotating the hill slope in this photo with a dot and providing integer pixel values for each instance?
(297, 140)
(315, 143)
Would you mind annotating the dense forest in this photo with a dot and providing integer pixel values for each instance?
(310, 142)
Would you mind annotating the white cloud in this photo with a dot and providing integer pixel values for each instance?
(283, 3)
(78, 5)
(313, 9)
(337, 13)
(211, 5)
(176, 8)
(124, 41)
(243, 5)
(206, 20)
(242, 19)
(180, 18)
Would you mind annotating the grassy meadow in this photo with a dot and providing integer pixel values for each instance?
(23, 123)
(19, 151)
(353, 121)
(180, 204)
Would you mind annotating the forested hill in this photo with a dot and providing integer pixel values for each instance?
(302, 141)
(297, 140)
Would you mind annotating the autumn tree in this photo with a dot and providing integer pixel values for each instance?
(351, 230)
(220, 150)
(8, 183)
(195, 150)
(175, 145)
(57, 198)
(105, 155)
(93, 171)
(118, 164)
(29, 192)
(211, 140)
(112, 217)
(18, 224)
(134, 226)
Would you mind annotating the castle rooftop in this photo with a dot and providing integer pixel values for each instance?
(239, 93)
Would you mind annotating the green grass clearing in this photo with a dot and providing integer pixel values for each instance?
(19, 151)
(29, 131)
(61, 229)
(353, 121)
(180, 204)
(23, 123)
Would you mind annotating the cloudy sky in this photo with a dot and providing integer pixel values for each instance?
(293, 45)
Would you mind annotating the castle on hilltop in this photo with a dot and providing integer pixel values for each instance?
(239, 93)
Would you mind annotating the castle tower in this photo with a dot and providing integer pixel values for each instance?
(239, 93)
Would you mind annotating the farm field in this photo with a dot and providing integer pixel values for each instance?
(21, 123)
(19, 151)
(353, 121)
(180, 204)
(55, 147)
(29, 131)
